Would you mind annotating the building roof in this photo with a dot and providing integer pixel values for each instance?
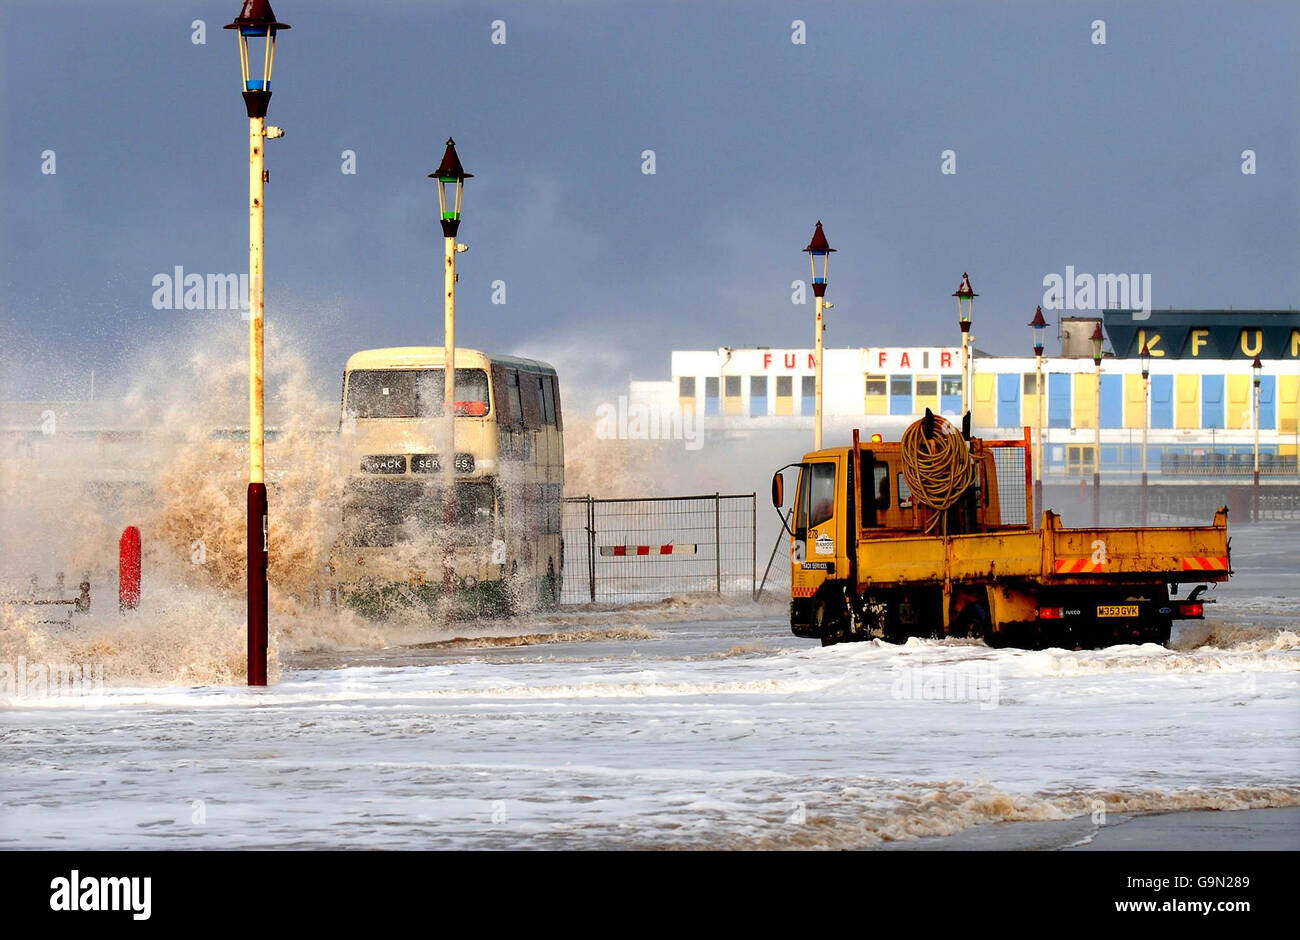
(1205, 334)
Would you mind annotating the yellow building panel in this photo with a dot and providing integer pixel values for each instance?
(731, 405)
(1288, 403)
(785, 404)
(877, 395)
(1135, 413)
(1187, 404)
(927, 394)
(984, 407)
(1029, 401)
(1085, 400)
(1239, 407)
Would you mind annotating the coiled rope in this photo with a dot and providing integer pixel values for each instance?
(937, 467)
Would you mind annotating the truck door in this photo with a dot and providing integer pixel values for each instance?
(815, 524)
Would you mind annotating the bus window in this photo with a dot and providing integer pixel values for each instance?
(503, 397)
(414, 393)
(881, 485)
(530, 400)
(555, 401)
(548, 399)
(512, 379)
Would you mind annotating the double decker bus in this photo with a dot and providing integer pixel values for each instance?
(504, 542)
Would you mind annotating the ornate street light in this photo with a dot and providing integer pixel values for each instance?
(1038, 327)
(1257, 369)
(256, 25)
(965, 295)
(1145, 356)
(449, 174)
(819, 251)
(1097, 340)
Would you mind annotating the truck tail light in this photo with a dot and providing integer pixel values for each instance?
(1191, 609)
(1049, 613)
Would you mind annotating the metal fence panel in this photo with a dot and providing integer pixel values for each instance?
(645, 549)
(1013, 492)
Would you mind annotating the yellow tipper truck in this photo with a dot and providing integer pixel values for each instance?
(933, 536)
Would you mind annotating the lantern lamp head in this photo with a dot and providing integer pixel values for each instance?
(256, 21)
(819, 249)
(1039, 326)
(965, 295)
(1097, 340)
(1256, 368)
(450, 173)
(1145, 356)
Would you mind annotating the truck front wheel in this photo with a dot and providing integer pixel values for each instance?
(831, 617)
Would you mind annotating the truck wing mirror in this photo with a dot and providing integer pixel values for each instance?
(778, 490)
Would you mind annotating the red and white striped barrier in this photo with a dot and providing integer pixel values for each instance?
(620, 551)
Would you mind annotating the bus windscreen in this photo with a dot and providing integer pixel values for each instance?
(414, 393)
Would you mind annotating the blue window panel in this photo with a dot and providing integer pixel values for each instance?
(900, 395)
(1211, 401)
(808, 396)
(1162, 401)
(757, 406)
(711, 408)
(1058, 400)
(950, 394)
(1112, 401)
(1009, 401)
(1267, 399)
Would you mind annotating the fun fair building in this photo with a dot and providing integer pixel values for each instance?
(1200, 409)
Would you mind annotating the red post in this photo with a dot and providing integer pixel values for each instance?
(258, 562)
(128, 569)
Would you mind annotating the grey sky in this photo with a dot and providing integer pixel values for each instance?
(1117, 158)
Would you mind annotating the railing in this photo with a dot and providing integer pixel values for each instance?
(1227, 465)
(645, 549)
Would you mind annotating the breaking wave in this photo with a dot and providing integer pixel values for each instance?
(945, 809)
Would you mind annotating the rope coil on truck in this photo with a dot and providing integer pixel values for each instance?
(937, 466)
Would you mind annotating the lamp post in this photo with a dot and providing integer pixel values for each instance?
(256, 22)
(965, 295)
(449, 173)
(1146, 422)
(1256, 369)
(818, 250)
(1096, 447)
(1039, 327)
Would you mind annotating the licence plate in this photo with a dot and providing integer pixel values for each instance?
(1118, 610)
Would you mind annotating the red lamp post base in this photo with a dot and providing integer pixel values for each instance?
(258, 562)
